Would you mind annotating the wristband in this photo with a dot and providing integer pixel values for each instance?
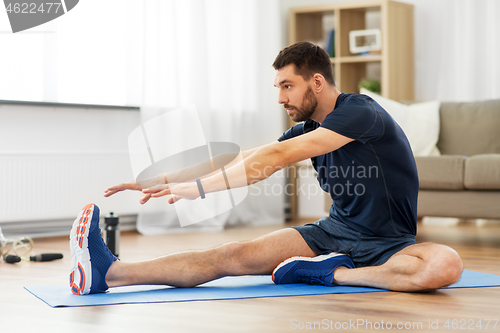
(200, 188)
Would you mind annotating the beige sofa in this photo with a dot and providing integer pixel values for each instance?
(463, 182)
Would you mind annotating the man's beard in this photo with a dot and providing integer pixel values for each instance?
(309, 104)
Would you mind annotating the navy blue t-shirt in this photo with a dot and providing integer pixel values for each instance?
(373, 180)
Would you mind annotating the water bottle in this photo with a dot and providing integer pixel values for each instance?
(112, 233)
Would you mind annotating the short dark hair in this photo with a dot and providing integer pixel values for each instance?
(308, 59)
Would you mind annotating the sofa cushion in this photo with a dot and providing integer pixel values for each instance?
(482, 172)
(419, 121)
(469, 128)
(441, 172)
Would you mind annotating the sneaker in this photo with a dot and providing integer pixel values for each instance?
(90, 257)
(316, 270)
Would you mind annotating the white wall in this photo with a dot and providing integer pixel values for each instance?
(457, 47)
(55, 160)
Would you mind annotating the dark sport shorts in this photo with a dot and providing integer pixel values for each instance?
(329, 235)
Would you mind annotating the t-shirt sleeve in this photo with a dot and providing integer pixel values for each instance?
(359, 121)
(292, 132)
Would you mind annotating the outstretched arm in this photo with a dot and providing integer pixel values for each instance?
(159, 182)
(261, 164)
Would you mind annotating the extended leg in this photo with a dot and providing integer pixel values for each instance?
(187, 269)
(419, 267)
(94, 268)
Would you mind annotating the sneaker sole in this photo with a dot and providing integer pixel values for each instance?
(80, 255)
(311, 259)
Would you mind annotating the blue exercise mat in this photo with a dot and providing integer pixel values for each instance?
(225, 288)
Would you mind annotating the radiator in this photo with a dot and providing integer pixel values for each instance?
(55, 159)
(41, 194)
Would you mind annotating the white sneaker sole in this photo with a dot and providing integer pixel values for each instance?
(81, 269)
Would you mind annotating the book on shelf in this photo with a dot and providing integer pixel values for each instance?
(330, 43)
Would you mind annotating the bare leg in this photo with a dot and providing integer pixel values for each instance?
(188, 269)
(419, 267)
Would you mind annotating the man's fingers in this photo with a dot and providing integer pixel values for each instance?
(155, 189)
(109, 192)
(121, 187)
(161, 193)
(126, 186)
(145, 199)
(152, 192)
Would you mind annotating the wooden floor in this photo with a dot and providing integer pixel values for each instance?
(479, 247)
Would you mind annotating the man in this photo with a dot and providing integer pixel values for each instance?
(363, 159)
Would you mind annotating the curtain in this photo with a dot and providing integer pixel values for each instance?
(163, 55)
(217, 56)
(457, 47)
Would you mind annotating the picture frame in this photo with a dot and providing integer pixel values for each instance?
(362, 41)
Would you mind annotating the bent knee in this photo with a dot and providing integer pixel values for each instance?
(443, 268)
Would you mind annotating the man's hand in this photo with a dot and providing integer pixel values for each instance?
(179, 191)
(122, 187)
(128, 186)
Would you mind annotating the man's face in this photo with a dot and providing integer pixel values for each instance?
(295, 94)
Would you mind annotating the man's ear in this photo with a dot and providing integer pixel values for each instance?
(318, 82)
